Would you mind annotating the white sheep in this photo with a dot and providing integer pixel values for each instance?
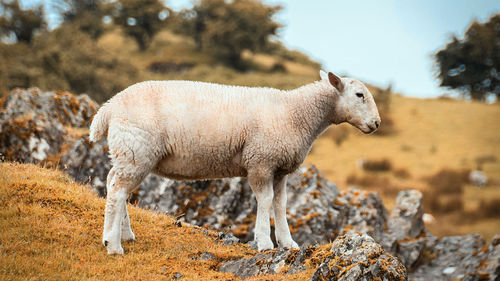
(187, 130)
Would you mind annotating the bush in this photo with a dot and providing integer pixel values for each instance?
(64, 59)
(448, 181)
(368, 181)
(437, 203)
(489, 208)
(402, 173)
(382, 165)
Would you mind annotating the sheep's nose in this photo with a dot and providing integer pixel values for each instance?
(377, 123)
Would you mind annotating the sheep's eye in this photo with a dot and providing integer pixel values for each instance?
(360, 95)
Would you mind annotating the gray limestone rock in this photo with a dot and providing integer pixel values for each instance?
(357, 256)
(33, 123)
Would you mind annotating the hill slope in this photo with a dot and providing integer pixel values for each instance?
(51, 230)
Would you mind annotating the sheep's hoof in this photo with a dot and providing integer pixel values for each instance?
(289, 244)
(128, 236)
(115, 250)
(294, 245)
(265, 244)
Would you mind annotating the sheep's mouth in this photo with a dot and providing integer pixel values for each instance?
(367, 129)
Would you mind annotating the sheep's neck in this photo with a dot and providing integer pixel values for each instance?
(312, 110)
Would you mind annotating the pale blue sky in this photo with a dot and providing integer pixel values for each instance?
(380, 42)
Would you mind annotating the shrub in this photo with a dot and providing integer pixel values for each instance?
(448, 181)
(278, 67)
(489, 208)
(402, 173)
(368, 181)
(437, 203)
(381, 165)
(64, 59)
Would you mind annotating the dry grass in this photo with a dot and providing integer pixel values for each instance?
(51, 230)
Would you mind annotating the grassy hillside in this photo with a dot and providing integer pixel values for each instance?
(430, 135)
(168, 47)
(51, 230)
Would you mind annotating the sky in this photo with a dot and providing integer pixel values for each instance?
(380, 42)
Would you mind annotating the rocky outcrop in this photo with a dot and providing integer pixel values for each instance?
(317, 211)
(88, 163)
(357, 256)
(32, 122)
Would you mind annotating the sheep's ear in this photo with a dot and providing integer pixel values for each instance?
(335, 81)
(323, 75)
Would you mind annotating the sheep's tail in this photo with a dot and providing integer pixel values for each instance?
(100, 123)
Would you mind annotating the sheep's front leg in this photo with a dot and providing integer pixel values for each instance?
(262, 186)
(282, 231)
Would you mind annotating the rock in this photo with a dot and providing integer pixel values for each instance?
(451, 258)
(263, 263)
(357, 256)
(227, 239)
(490, 268)
(88, 163)
(406, 216)
(317, 212)
(207, 256)
(478, 178)
(404, 225)
(352, 256)
(177, 275)
(32, 122)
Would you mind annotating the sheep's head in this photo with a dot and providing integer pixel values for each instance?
(355, 103)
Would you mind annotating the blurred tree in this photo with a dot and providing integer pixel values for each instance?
(22, 23)
(141, 19)
(226, 28)
(65, 59)
(86, 14)
(472, 65)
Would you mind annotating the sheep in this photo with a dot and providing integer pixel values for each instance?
(186, 130)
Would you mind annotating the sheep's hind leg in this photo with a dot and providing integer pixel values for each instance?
(262, 186)
(109, 212)
(127, 233)
(133, 156)
(282, 231)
